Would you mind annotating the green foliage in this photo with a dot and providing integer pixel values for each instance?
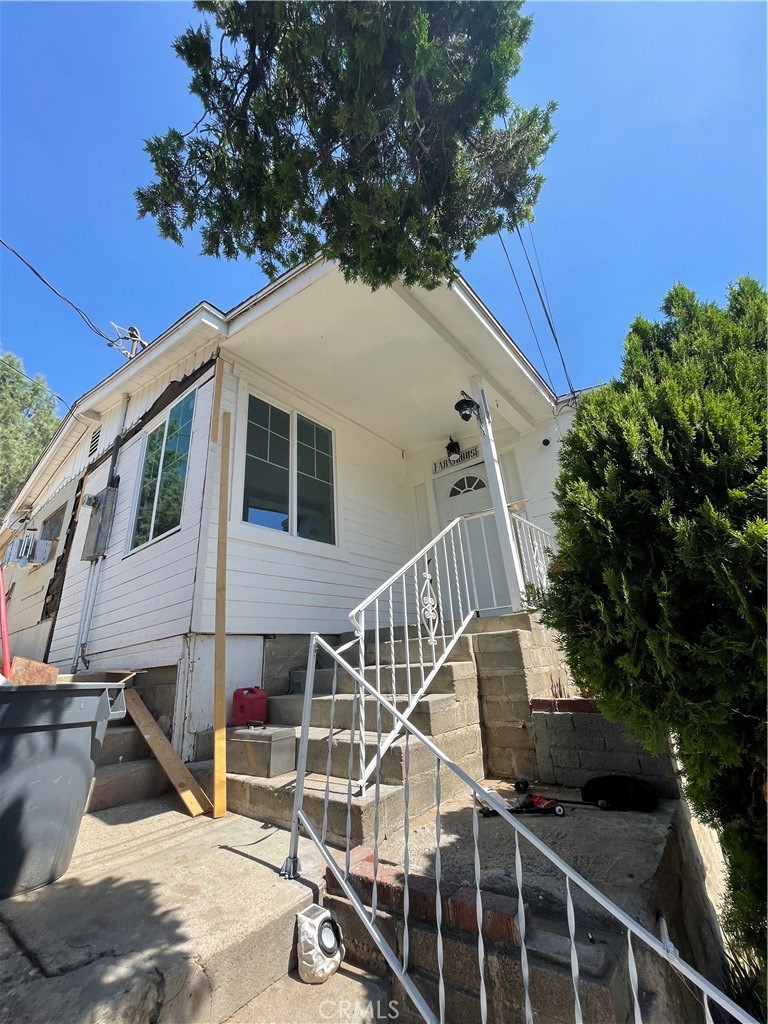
(27, 423)
(365, 132)
(658, 587)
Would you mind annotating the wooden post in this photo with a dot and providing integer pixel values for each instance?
(220, 638)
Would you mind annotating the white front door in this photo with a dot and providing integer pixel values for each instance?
(459, 494)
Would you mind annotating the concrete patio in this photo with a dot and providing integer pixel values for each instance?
(166, 918)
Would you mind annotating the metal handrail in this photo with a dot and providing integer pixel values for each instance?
(353, 615)
(480, 795)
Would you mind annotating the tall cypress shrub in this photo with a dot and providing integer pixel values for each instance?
(658, 588)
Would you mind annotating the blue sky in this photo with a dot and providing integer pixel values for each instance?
(658, 175)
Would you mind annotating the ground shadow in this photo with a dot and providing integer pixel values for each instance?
(97, 953)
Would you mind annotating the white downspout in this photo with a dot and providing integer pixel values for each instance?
(509, 553)
(94, 571)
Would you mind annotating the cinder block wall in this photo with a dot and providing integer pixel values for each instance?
(157, 688)
(572, 747)
(513, 667)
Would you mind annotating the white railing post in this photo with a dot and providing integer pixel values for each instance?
(292, 865)
(509, 553)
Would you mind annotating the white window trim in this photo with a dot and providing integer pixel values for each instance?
(150, 429)
(264, 535)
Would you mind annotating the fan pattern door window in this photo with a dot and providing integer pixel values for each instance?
(466, 484)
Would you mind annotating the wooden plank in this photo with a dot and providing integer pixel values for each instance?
(25, 672)
(179, 775)
(217, 382)
(220, 634)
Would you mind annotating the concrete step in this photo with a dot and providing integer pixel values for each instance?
(435, 713)
(117, 784)
(271, 800)
(322, 685)
(448, 675)
(417, 650)
(477, 624)
(351, 994)
(162, 918)
(603, 986)
(501, 623)
(462, 745)
(122, 743)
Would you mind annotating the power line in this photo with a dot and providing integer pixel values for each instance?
(113, 343)
(530, 321)
(541, 272)
(39, 384)
(547, 315)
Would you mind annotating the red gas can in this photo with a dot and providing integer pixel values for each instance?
(249, 705)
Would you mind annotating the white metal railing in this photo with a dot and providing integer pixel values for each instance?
(638, 939)
(535, 548)
(429, 602)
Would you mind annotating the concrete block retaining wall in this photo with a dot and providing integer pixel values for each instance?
(573, 746)
(512, 667)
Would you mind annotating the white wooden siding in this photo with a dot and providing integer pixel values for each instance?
(277, 586)
(144, 598)
(109, 424)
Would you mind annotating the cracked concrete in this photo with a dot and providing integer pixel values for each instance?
(161, 919)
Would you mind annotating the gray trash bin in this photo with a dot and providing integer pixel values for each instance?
(50, 739)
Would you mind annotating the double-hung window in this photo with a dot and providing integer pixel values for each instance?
(164, 473)
(288, 483)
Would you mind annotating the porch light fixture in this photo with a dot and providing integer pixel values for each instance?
(467, 407)
(453, 450)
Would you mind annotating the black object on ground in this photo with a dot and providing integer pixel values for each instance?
(620, 793)
(50, 739)
(610, 793)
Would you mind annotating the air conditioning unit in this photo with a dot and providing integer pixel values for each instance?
(21, 549)
(41, 552)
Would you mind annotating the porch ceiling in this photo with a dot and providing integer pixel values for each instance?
(382, 359)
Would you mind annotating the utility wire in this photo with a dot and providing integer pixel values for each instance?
(84, 316)
(541, 272)
(546, 314)
(525, 307)
(38, 383)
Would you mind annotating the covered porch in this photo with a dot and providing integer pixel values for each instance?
(374, 378)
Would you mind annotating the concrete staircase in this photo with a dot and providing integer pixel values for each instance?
(126, 771)
(449, 713)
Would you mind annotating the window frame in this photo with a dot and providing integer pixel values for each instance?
(265, 535)
(160, 421)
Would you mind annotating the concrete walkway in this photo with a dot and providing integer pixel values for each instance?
(160, 918)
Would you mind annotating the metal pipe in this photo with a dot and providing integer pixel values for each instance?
(6, 643)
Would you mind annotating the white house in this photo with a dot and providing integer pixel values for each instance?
(342, 404)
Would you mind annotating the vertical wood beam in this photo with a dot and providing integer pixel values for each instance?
(220, 634)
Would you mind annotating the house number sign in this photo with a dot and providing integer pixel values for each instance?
(466, 456)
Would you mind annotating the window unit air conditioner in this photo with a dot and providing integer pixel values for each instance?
(21, 549)
(41, 552)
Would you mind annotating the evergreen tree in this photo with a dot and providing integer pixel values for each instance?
(658, 585)
(28, 421)
(368, 132)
